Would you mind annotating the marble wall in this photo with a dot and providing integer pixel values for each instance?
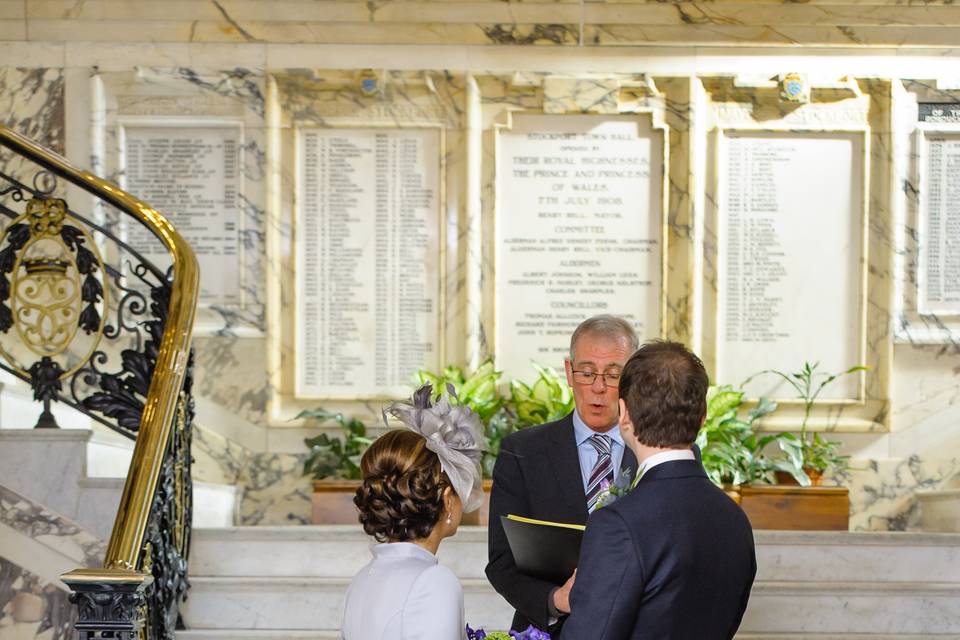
(36, 545)
(254, 67)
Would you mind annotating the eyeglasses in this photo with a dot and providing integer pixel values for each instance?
(588, 377)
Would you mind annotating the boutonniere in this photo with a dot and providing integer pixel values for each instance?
(624, 483)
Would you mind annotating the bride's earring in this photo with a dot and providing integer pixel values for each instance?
(448, 517)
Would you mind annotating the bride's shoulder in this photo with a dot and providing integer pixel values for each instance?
(437, 579)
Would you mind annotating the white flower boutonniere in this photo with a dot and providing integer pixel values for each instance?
(621, 486)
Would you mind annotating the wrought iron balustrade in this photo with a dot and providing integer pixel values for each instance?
(88, 321)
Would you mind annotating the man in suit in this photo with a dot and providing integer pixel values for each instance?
(674, 558)
(556, 470)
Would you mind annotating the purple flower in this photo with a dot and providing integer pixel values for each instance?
(475, 634)
(531, 633)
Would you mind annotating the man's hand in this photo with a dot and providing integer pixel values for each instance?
(561, 597)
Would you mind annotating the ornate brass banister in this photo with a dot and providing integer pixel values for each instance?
(160, 406)
(116, 599)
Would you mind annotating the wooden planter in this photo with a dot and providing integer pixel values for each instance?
(480, 517)
(333, 502)
(797, 508)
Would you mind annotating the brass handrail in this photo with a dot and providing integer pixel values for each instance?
(171, 367)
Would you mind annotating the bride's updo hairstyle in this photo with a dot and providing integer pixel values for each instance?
(401, 498)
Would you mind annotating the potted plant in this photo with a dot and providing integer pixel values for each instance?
(732, 453)
(735, 457)
(334, 464)
(775, 491)
(815, 455)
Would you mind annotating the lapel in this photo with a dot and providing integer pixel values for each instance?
(565, 464)
(629, 461)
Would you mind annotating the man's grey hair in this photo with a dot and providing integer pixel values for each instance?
(605, 326)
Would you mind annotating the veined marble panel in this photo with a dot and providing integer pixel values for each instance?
(32, 104)
(50, 529)
(665, 102)
(913, 323)
(486, 22)
(176, 100)
(706, 33)
(354, 100)
(31, 608)
(275, 491)
(230, 373)
(744, 105)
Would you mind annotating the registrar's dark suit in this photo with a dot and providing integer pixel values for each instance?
(674, 559)
(537, 475)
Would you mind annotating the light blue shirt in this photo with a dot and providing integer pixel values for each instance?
(588, 454)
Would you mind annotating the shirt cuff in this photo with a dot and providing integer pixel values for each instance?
(553, 614)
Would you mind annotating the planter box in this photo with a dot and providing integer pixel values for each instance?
(480, 517)
(796, 508)
(333, 502)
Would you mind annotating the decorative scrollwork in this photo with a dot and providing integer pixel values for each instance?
(168, 530)
(50, 289)
(122, 394)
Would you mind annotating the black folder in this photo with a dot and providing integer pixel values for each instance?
(546, 550)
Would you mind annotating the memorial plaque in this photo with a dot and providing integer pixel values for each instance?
(190, 175)
(368, 268)
(790, 267)
(940, 213)
(579, 219)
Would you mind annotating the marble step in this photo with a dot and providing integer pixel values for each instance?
(291, 634)
(339, 551)
(846, 636)
(304, 603)
(48, 466)
(314, 604)
(259, 634)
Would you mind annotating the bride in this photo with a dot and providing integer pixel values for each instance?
(417, 483)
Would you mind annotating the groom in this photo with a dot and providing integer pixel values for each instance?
(674, 558)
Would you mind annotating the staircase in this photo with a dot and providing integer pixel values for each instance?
(288, 582)
(91, 467)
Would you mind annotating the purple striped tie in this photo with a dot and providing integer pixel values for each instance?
(602, 474)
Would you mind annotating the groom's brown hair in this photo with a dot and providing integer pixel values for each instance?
(664, 386)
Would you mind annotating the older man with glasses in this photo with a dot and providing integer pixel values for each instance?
(557, 470)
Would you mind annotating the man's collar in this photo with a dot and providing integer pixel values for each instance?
(582, 432)
(666, 456)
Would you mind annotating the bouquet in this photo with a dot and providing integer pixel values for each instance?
(531, 633)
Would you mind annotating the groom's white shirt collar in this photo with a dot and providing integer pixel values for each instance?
(666, 456)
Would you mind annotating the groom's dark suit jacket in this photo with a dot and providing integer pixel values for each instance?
(537, 475)
(673, 559)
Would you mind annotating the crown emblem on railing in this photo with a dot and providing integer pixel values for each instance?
(52, 294)
(46, 267)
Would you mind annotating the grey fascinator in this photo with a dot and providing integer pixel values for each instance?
(454, 433)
